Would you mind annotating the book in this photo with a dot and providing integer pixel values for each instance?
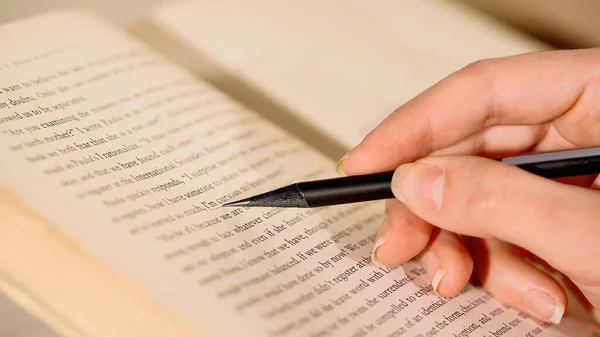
(18, 323)
(116, 158)
(336, 67)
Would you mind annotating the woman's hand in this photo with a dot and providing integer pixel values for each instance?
(507, 218)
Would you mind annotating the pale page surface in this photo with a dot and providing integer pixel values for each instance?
(343, 65)
(132, 157)
(17, 323)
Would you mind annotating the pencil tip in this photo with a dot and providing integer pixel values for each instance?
(289, 196)
(244, 202)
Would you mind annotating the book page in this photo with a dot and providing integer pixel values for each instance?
(132, 157)
(17, 323)
(341, 65)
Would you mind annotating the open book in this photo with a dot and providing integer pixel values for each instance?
(115, 160)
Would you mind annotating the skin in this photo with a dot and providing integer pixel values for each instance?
(465, 216)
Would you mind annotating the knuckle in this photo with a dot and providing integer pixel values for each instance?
(479, 67)
(478, 77)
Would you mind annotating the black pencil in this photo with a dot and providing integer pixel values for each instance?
(377, 186)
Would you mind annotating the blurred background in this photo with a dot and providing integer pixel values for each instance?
(560, 23)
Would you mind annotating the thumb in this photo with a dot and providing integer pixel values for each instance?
(489, 199)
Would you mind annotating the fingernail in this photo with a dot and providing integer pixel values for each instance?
(338, 167)
(432, 265)
(381, 238)
(544, 306)
(419, 183)
(437, 278)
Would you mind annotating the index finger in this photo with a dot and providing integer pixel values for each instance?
(517, 90)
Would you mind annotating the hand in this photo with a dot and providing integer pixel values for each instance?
(510, 222)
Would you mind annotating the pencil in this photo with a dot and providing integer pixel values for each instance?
(377, 186)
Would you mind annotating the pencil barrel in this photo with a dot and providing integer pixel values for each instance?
(347, 190)
(564, 168)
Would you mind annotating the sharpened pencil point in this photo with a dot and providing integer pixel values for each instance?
(288, 196)
(243, 202)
